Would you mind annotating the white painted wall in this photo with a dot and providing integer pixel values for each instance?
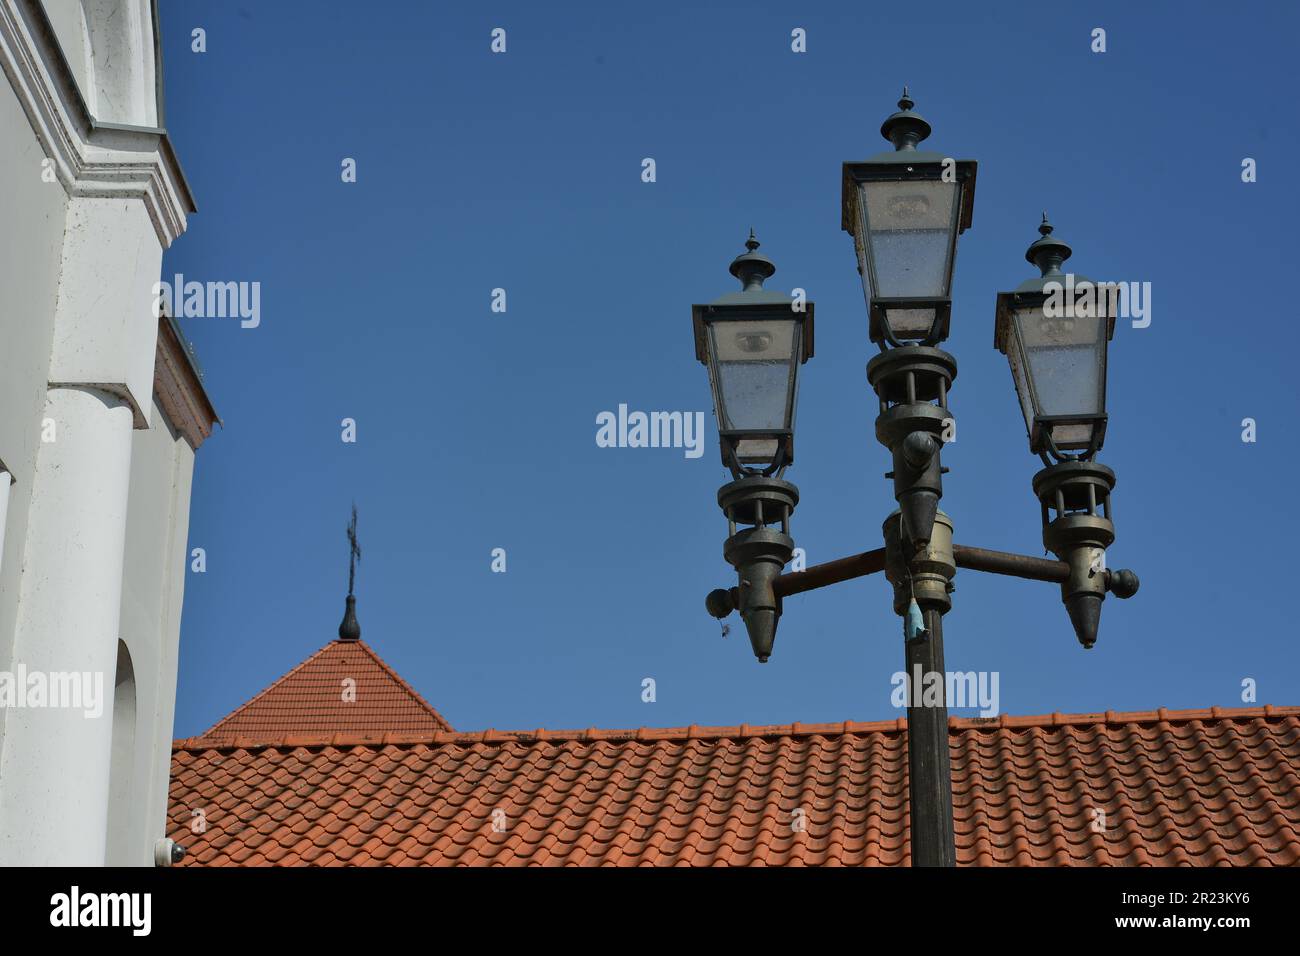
(6, 485)
(101, 39)
(68, 18)
(107, 331)
(153, 586)
(54, 768)
(32, 214)
(92, 561)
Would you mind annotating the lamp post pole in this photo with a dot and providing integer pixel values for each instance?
(905, 210)
(928, 764)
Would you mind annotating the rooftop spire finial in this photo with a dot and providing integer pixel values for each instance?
(905, 102)
(354, 550)
(350, 629)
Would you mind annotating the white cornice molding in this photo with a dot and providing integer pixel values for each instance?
(90, 159)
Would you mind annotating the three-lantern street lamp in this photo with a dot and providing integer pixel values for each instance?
(905, 209)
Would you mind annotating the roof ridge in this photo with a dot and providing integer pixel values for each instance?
(743, 731)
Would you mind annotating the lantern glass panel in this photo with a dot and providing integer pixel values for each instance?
(756, 451)
(1064, 356)
(754, 361)
(1059, 366)
(910, 323)
(910, 226)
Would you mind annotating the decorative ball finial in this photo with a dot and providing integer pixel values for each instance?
(905, 103)
(350, 627)
(751, 243)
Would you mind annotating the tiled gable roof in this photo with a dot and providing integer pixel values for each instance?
(311, 698)
(1175, 787)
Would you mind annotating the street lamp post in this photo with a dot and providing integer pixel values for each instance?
(905, 210)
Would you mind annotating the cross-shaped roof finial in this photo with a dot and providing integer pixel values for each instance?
(350, 629)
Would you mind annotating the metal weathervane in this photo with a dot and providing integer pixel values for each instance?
(350, 629)
(354, 550)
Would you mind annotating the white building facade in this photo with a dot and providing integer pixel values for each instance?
(101, 411)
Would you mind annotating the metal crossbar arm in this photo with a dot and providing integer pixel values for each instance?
(832, 572)
(1122, 583)
(1006, 562)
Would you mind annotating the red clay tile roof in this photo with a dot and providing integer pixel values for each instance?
(1202, 787)
(310, 699)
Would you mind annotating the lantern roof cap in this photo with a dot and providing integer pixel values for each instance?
(905, 128)
(752, 268)
(1048, 252)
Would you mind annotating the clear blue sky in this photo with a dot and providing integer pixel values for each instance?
(476, 430)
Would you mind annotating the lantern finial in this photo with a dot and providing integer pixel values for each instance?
(752, 268)
(905, 129)
(1047, 252)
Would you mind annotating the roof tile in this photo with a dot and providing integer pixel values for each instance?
(1205, 787)
(309, 703)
